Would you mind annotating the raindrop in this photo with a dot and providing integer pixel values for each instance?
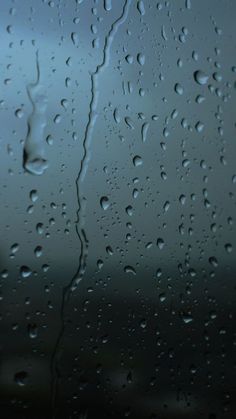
(187, 318)
(228, 247)
(179, 89)
(38, 251)
(33, 195)
(25, 271)
(129, 269)
(141, 8)
(39, 228)
(99, 264)
(75, 38)
(19, 113)
(104, 202)
(129, 210)
(141, 59)
(137, 161)
(32, 331)
(143, 324)
(144, 131)
(21, 378)
(213, 261)
(199, 127)
(129, 59)
(200, 77)
(160, 243)
(107, 5)
(15, 248)
(34, 151)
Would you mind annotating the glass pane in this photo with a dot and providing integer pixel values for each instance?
(118, 236)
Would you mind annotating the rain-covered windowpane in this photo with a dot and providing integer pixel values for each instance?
(118, 207)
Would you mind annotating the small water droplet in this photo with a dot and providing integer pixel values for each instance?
(130, 269)
(199, 127)
(33, 195)
(32, 331)
(21, 378)
(213, 261)
(104, 202)
(141, 58)
(38, 251)
(137, 161)
(19, 113)
(15, 248)
(179, 89)
(187, 318)
(228, 247)
(25, 271)
(160, 243)
(129, 210)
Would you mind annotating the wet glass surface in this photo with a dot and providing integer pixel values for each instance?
(118, 179)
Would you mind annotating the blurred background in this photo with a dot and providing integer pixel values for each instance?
(118, 179)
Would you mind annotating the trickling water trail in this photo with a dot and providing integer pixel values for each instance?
(81, 212)
(34, 160)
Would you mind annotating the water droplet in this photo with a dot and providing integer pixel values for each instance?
(144, 131)
(99, 264)
(19, 113)
(141, 58)
(104, 202)
(116, 116)
(33, 195)
(32, 331)
(199, 127)
(33, 154)
(39, 228)
(75, 38)
(182, 199)
(188, 4)
(38, 251)
(25, 271)
(179, 89)
(129, 59)
(130, 269)
(15, 248)
(143, 324)
(129, 210)
(213, 261)
(160, 243)
(141, 8)
(162, 297)
(187, 318)
(137, 161)
(166, 206)
(21, 378)
(200, 99)
(200, 77)
(228, 247)
(107, 5)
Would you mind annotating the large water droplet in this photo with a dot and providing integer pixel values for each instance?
(200, 77)
(34, 160)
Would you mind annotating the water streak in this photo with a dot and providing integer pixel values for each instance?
(81, 212)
